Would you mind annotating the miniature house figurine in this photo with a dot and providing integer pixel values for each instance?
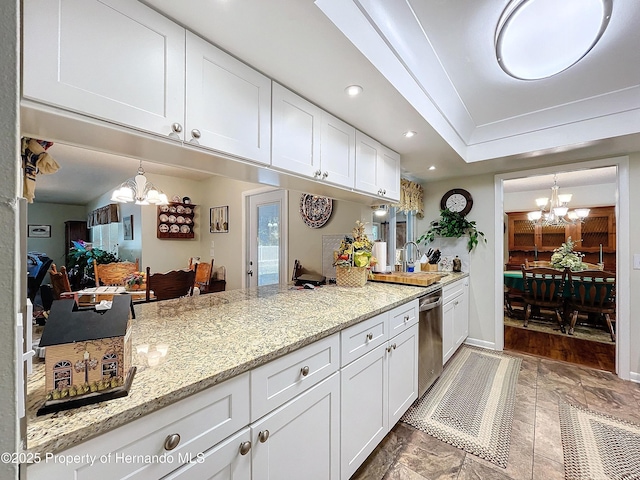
(88, 354)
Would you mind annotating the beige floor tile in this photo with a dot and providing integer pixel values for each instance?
(472, 469)
(547, 440)
(402, 472)
(546, 469)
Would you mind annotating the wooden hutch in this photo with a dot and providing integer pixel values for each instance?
(599, 228)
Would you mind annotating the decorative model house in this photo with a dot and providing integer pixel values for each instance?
(88, 354)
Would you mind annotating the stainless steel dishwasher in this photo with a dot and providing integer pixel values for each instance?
(429, 340)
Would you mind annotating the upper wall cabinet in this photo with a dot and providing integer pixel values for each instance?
(377, 168)
(115, 60)
(296, 133)
(228, 103)
(337, 151)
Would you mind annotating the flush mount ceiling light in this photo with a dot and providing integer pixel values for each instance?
(540, 38)
(432, 167)
(409, 133)
(140, 190)
(353, 90)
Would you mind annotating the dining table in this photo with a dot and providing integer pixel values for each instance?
(94, 295)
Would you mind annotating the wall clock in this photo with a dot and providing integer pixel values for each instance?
(457, 200)
(315, 210)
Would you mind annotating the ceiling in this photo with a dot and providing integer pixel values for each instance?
(426, 66)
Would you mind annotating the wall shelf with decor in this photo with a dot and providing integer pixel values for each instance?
(176, 221)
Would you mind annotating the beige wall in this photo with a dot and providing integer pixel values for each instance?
(634, 247)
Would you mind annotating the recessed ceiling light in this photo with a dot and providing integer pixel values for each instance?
(353, 90)
(409, 133)
(432, 167)
(562, 32)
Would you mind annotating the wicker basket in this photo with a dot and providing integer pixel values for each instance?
(351, 276)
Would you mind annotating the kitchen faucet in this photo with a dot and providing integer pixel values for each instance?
(405, 260)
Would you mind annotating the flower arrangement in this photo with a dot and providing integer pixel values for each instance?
(354, 251)
(134, 280)
(565, 256)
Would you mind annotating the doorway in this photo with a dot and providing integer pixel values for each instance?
(266, 238)
(621, 347)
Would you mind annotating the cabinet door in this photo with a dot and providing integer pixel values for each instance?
(296, 133)
(403, 373)
(389, 179)
(461, 316)
(367, 164)
(337, 151)
(448, 319)
(522, 232)
(364, 385)
(301, 438)
(225, 461)
(228, 103)
(115, 60)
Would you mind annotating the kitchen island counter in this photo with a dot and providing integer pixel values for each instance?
(184, 346)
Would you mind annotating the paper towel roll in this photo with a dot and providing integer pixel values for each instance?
(380, 252)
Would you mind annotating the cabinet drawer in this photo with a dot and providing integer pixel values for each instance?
(453, 290)
(403, 317)
(363, 337)
(201, 420)
(282, 379)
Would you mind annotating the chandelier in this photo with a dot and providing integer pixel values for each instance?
(140, 190)
(558, 213)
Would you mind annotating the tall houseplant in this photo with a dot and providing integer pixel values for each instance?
(452, 225)
(80, 261)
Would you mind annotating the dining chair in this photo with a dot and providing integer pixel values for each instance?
(173, 284)
(544, 288)
(203, 275)
(59, 281)
(593, 291)
(113, 273)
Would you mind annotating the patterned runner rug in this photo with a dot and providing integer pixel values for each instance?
(471, 405)
(598, 446)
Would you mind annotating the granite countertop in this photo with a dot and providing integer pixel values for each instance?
(208, 339)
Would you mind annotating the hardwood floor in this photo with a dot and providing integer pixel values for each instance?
(562, 347)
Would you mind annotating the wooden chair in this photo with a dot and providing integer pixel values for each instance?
(113, 273)
(544, 288)
(593, 291)
(173, 284)
(203, 275)
(59, 281)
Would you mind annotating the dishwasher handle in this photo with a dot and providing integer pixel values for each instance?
(430, 303)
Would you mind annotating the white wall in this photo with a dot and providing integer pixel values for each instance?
(13, 280)
(634, 246)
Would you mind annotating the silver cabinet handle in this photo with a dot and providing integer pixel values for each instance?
(369, 336)
(304, 371)
(245, 447)
(195, 133)
(389, 349)
(325, 175)
(171, 441)
(406, 318)
(263, 436)
(176, 127)
(317, 173)
(393, 346)
(384, 192)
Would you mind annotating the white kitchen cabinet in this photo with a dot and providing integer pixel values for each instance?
(377, 168)
(337, 151)
(301, 438)
(115, 60)
(379, 385)
(228, 106)
(296, 128)
(455, 317)
(179, 433)
(229, 460)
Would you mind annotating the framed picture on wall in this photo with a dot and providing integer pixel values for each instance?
(127, 224)
(219, 219)
(39, 231)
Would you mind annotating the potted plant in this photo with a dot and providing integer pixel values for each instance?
(80, 262)
(566, 256)
(453, 225)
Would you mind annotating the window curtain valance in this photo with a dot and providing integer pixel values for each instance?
(103, 215)
(411, 198)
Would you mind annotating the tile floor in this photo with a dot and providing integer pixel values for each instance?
(536, 448)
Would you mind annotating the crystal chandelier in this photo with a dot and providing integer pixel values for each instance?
(140, 190)
(558, 213)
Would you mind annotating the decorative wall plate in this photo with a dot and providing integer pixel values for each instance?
(315, 210)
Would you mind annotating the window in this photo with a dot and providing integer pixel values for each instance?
(105, 237)
(62, 375)
(109, 365)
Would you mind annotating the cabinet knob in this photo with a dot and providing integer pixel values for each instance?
(263, 436)
(245, 447)
(394, 346)
(406, 318)
(389, 349)
(171, 441)
(325, 175)
(176, 128)
(317, 173)
(195, 133)
(304, 371)
(369, 336)
(384, 192)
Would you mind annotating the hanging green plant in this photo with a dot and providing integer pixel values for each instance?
(452, 225)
